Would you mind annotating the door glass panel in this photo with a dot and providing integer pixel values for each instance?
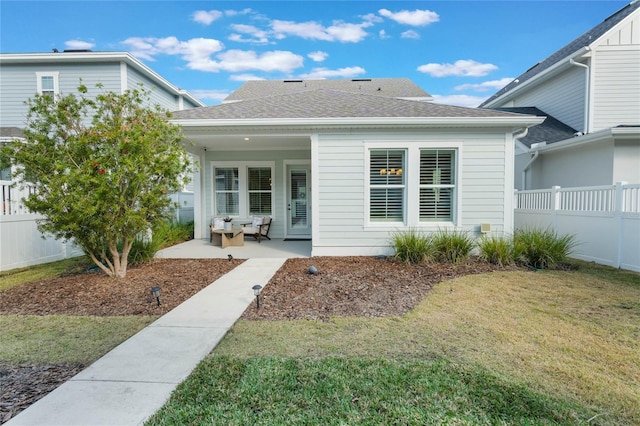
(298, 196)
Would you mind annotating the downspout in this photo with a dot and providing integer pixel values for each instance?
(516, 137)
(586, 92)
(536, 154)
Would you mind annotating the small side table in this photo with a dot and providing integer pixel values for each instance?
(223, 238)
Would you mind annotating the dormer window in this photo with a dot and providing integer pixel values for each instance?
(47, 83)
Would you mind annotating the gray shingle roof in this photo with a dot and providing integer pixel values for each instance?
(11, 132)
(330, 104)
(390, 87)
(585, 39)
(550, 130)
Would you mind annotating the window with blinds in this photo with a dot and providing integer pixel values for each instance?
(48, 88)
(260, 190)
(387, 185)
(227, 191)
(437, 185)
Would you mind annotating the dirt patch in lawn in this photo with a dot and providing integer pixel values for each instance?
(343, 286)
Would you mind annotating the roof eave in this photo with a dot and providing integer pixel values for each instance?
(371, 122)
(548, 73)
(629, 133)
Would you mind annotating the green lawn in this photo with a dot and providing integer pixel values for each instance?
(502, 348)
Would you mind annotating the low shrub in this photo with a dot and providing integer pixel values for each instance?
(497, 250)
(541, 249)
(412, 246)
(452, 246)
(164, 235)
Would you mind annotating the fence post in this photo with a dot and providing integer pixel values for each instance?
(555, 206)
(617, 211)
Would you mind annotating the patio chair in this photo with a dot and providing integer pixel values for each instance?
(217, 222)
(258, 228)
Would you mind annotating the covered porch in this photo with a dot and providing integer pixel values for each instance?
(253, 173)
(202, 249)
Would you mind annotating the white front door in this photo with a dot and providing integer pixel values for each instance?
(298, 202)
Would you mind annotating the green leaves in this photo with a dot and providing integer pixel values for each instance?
(104, 166)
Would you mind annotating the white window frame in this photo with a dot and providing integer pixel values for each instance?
(243, 184)
(56, 83)
(412, 183)
(402, 186)
(438, 186)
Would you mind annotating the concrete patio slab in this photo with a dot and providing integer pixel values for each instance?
(202, 249)
(131, 382)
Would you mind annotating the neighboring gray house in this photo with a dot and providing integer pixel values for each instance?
(22, 75)
(590, 90)
(346, 163)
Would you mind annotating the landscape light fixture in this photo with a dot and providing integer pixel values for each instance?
(156, 293)
(312, 270)
(256, 292)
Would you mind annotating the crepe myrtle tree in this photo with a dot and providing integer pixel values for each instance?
(103, 167)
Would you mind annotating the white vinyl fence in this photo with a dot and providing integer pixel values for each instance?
(21, 244)
(605, 220)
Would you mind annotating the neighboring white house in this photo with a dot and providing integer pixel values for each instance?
(346, 163)
(22, 75)
(590, 90)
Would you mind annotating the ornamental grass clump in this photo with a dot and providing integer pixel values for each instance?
(452, 246)
(497, 250)
(542, 249)
(412, 246)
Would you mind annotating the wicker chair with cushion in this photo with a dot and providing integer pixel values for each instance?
(258, 228)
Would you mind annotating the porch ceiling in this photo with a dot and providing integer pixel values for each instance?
(197, 141)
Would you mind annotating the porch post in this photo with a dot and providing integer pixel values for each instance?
(199, 214)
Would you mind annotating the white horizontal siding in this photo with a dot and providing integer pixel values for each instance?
(562, 97)
(342, 223)
(616, 87)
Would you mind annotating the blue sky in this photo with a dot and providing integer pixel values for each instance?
(461, 52)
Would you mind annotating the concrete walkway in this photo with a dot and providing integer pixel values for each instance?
(130, 383)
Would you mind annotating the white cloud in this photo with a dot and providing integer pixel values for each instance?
(485, 86)
(318, 56)
(79, 45)
(206, 17)
(198, 53)
(194, 51)
(256, 35)
(238, 12)
(322, 73)
(383, 34)
(372, 18)
(459, 100)
(243, 60)
(214, 95)
(416, 18)
(244, 77)
(339, 31)
(410, 34)
(466, 68)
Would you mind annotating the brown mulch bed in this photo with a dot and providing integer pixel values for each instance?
(343, 286)
(352, 286)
